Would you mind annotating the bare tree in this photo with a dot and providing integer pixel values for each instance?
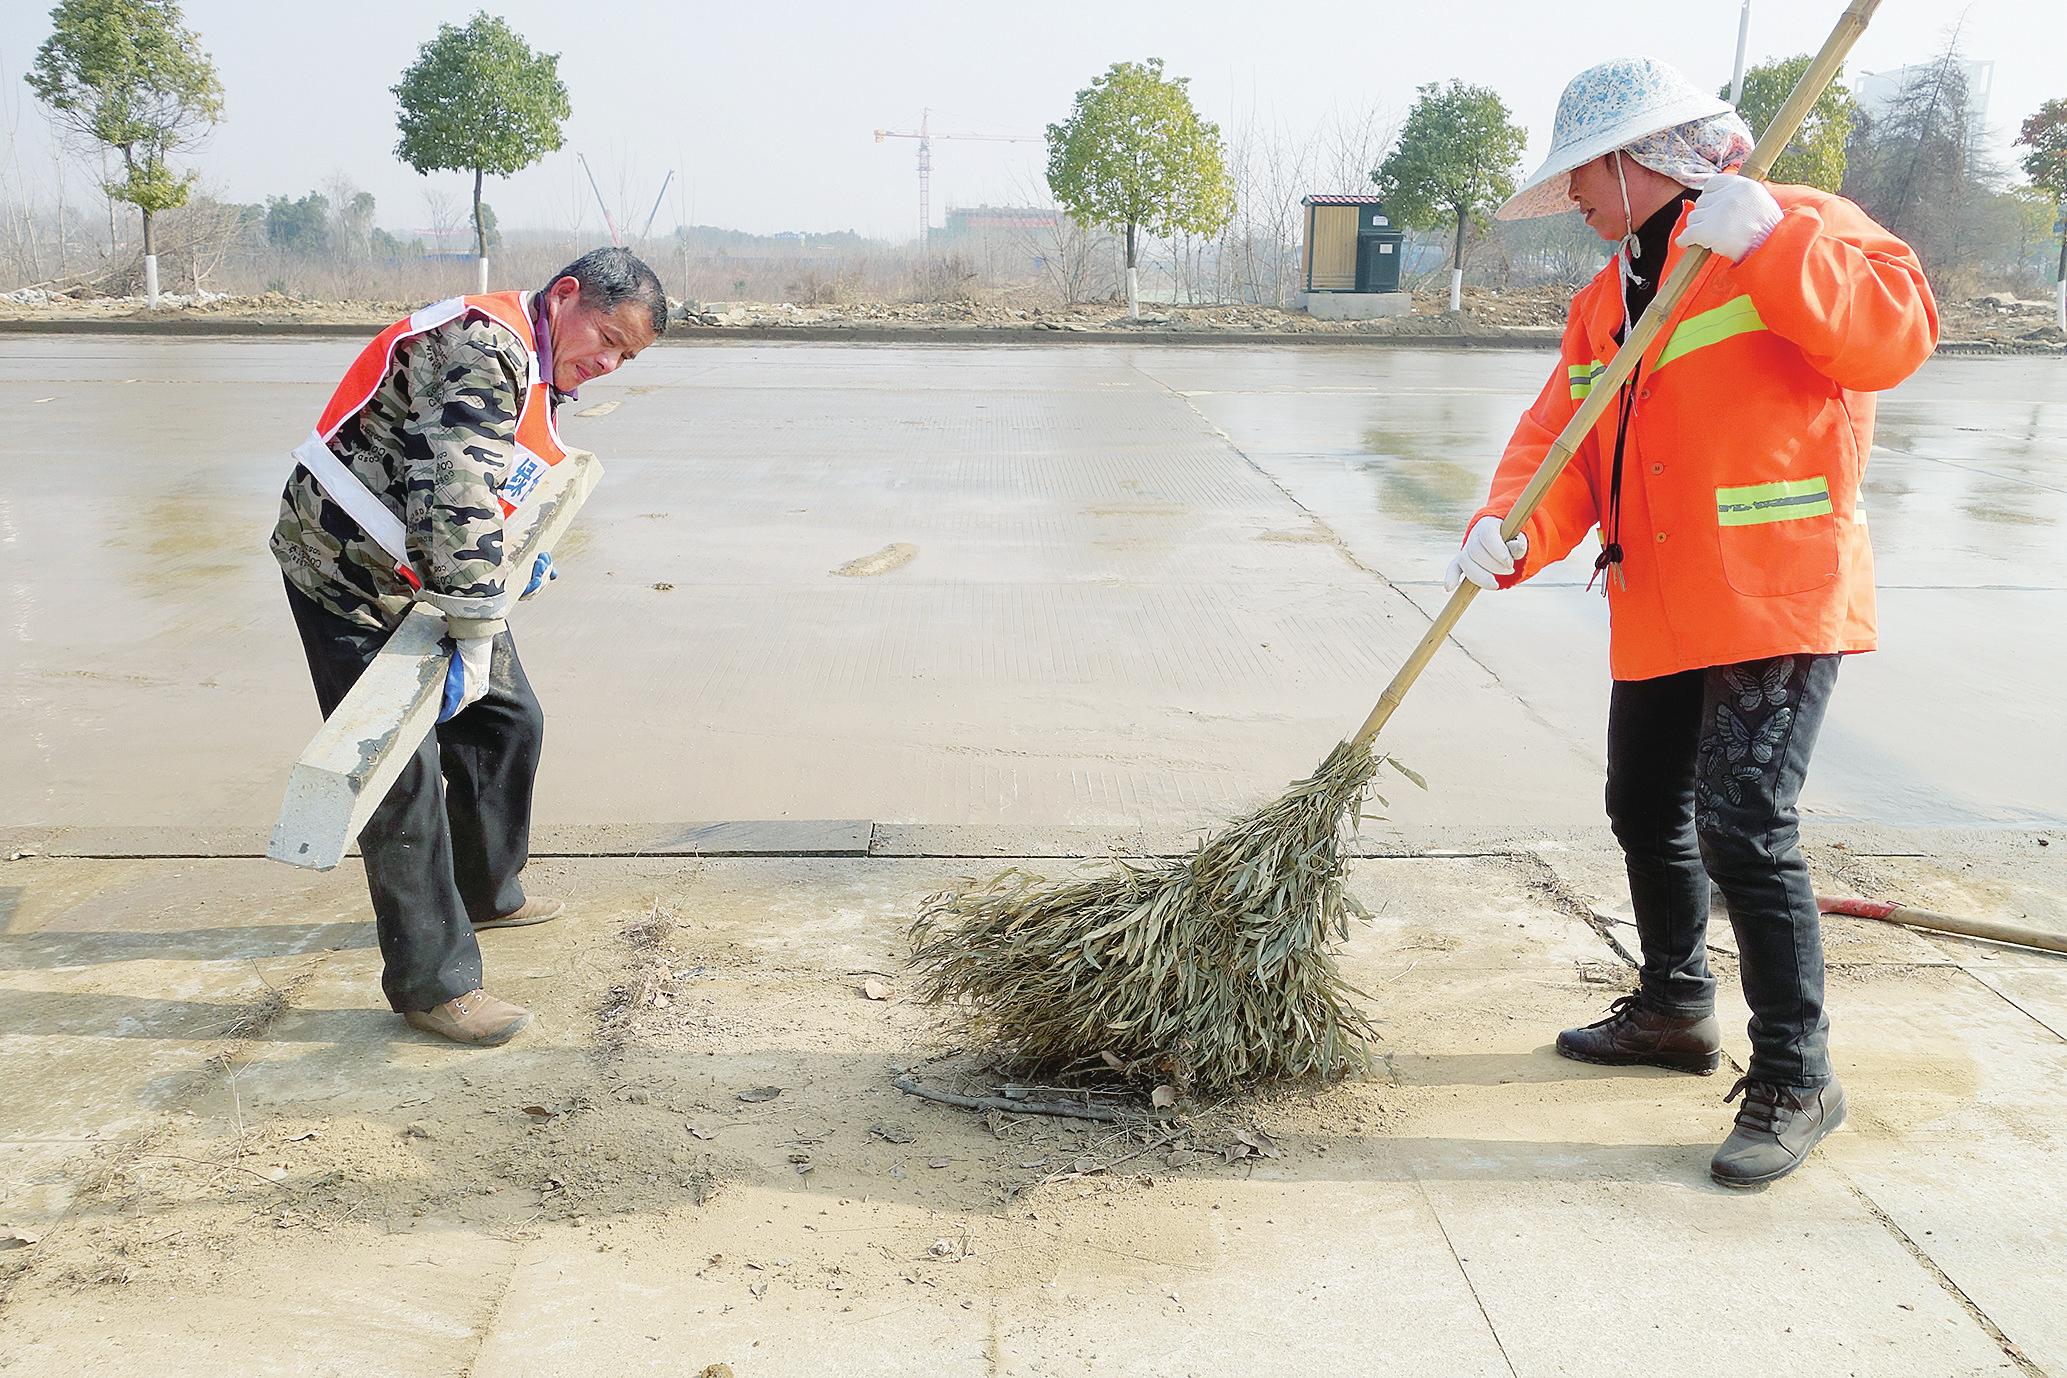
(445, 213)
(1919, 164)
(202, 235)
(1352, 142)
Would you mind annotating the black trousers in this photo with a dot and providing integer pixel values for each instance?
(444, 849)
(1704, 770)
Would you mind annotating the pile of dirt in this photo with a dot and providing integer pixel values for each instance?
(1994, 323)
(269, 308)
(1486, 312)
(1999, 322)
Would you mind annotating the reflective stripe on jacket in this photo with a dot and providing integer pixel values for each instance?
(1741, 529)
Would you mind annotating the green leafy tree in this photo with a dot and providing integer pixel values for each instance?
(128, 75)
(388, 246)
(479, 100)
(1816, 158)
(1134, 156)
(1455, 159)
(299, 227)
(2045, 134)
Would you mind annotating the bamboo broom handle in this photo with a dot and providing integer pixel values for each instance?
(1649, 326)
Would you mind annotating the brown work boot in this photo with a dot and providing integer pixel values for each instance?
(476, 1017)
(1776, 1128)
(1633, 1035)
(537, 909)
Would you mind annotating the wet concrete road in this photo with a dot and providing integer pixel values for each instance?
(984, 585)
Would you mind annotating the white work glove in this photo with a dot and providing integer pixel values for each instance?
(466, 674)
(1732, 217)
(1484, 558)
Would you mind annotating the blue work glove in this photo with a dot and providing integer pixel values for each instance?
(466, 674)
(543, 572)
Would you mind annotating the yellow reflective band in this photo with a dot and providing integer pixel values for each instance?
(1758, 503)
(1734, 317)
(1582, 376)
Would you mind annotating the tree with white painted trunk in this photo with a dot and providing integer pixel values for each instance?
(129, 76)
(1455, 159)
(1135, 157)
(478, 99)
(2045, 134)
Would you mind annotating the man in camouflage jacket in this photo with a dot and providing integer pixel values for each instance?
(434, 445)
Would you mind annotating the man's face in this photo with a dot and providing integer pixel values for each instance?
(1598, 196)
(588, 343)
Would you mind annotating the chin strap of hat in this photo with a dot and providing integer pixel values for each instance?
(1632, 248)
(1607, 566)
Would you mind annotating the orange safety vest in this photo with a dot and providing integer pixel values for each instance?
(538, 445)
(1741, 527)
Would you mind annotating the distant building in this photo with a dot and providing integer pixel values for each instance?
(1877, 91)
(982, 220)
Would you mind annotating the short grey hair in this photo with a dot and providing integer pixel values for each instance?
(611, 277)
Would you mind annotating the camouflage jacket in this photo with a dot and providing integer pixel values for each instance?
(433, 443)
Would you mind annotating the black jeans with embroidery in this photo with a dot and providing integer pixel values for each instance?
(1704, 768)
(444, 850)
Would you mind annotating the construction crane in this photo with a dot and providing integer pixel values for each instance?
(926, 134)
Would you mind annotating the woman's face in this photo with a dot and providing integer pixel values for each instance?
(1598, 195)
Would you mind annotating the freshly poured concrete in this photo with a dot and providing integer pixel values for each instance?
(1143, 586)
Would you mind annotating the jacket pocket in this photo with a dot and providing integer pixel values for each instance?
(1777, 538)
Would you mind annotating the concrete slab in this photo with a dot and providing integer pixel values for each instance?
(1639, 1270)
(1149, 584)
(1963, 1100)
(1512, 1142)
(628, 1191)
(373, 1307)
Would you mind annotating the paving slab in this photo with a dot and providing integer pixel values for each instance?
(624, 1199)
(1964, 1100)
(366, 1306)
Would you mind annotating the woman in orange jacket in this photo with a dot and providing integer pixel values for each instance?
(1725, 485)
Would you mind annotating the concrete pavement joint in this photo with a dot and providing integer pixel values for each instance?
(2007, 999)
(486, 1327)
(1944, 1280)
(1341, 546)
(1545, 881)
(1465, 1273)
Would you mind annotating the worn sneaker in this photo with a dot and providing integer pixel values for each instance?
(1635, 1035)
(1776, 1128)
(477, 1018)
(533, 910)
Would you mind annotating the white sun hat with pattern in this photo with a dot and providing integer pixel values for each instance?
(1645, 107)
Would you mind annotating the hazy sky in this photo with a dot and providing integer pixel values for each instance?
(766, 111)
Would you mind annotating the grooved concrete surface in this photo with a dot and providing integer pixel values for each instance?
(958, 585)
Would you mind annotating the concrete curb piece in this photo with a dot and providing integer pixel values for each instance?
(361, 749)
